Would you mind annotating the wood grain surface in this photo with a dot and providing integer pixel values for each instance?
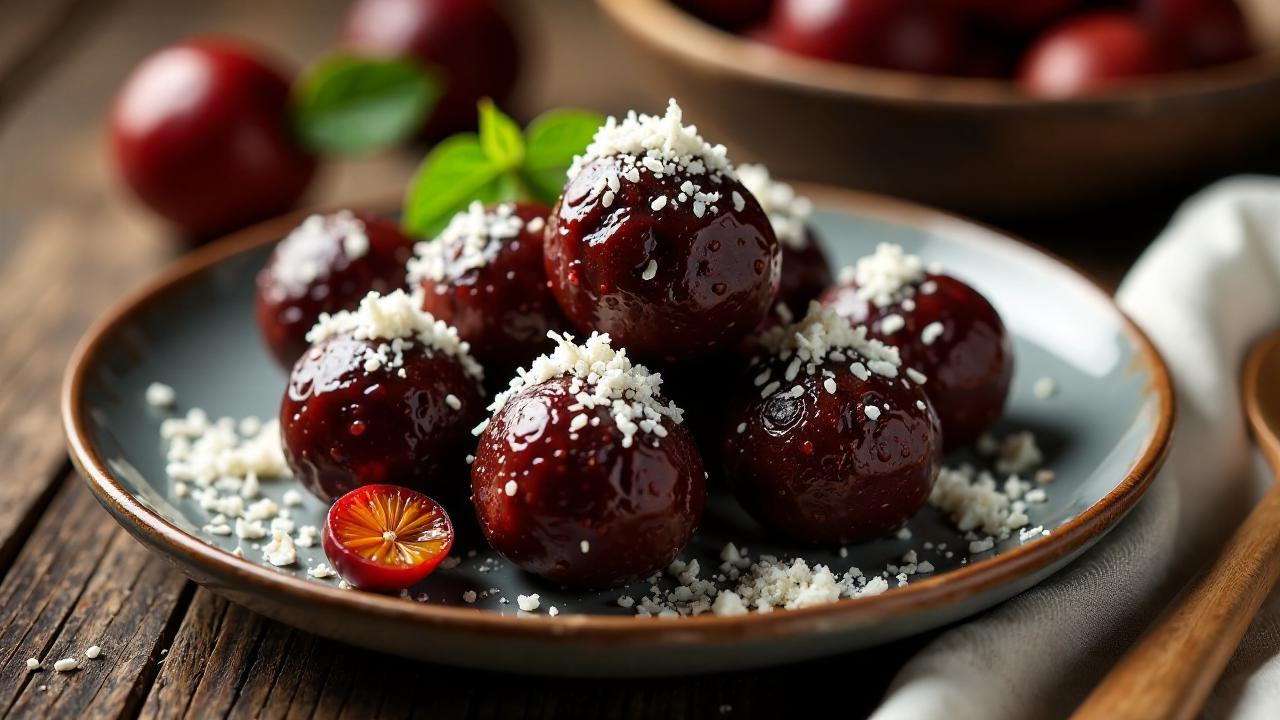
(71, 241)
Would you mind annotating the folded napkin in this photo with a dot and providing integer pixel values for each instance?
(1206, 289)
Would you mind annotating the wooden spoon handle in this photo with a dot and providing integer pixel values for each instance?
(1171, 671)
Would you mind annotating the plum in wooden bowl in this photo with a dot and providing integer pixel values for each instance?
(963, 140)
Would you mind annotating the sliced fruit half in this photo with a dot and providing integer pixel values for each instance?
(386, 538)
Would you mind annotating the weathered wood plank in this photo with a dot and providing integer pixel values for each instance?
(193, 646)
(290, 673)
(80, 582)
(34, 36)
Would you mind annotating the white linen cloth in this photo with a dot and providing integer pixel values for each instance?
(1206, 289)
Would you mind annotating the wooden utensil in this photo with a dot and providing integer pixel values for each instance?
(1170, 673)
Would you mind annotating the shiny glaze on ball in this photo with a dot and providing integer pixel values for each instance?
(969, 366)
(343, 427)
(287, 304)
(504, 309)
(806, 274)
(715, 277)
(635, 507)
(814, 468)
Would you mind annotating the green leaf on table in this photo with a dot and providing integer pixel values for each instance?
(345, 105)
(551, 142)
(500, 136)
(453, 174)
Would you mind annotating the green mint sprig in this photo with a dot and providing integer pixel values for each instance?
(348, 105)
(498, 164)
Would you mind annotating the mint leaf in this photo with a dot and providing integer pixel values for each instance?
(497, 165)
(500, 136)
(456, 172)
(551, 141)
(345, 105)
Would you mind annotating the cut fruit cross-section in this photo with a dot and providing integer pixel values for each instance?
(386, 538)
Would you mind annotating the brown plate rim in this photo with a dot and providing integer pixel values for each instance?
(918, 596)
(661, 25)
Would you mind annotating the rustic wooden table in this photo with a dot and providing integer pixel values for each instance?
(71, 242)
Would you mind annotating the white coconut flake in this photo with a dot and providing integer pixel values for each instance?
(980, 546)
(662, 147)
(886, 276)
(650, 270)
(1018, 454)
(471, 240)
(298, 266)
(280, 551)
(788, 213)
(822, 336)
(977, 503)
(661, 141)
(160, 395)
(892, 323)
(931, 332)
(249, 529)
(394, 317)
(608, 379)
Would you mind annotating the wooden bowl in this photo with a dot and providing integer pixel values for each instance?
(974, 145)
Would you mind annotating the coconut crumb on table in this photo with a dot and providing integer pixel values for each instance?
(528, 603)
(66, 665)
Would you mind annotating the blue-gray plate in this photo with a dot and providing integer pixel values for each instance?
(1104, 433)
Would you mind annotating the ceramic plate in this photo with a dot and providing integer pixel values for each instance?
(1104, 434)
